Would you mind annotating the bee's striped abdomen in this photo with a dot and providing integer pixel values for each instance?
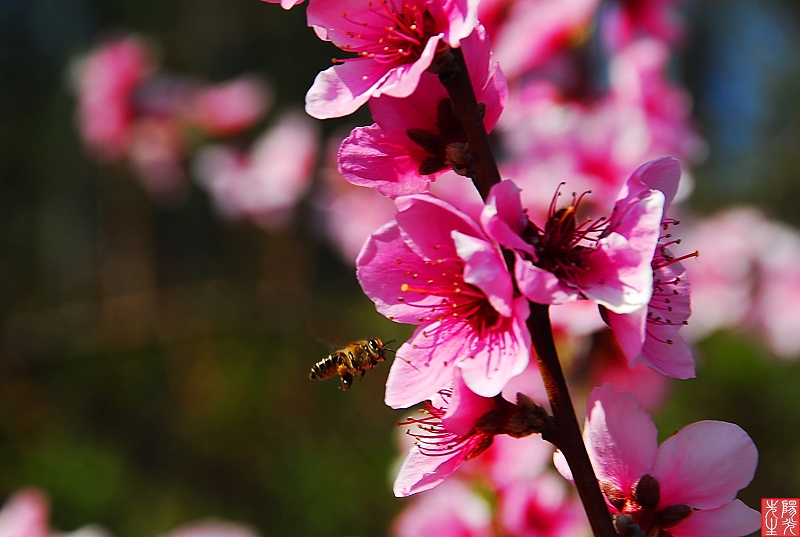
(326, 368)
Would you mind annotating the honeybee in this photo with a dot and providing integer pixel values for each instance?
(352, 359)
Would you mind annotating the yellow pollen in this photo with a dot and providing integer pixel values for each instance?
(404, 287)
(413, 26)
(365, 77)
(458, 289)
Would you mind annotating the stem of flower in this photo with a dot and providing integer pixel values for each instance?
(567, 436)
(454, 76)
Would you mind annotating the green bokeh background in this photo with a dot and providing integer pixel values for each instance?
(153, 361)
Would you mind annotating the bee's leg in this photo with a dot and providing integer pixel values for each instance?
(363, 372)
(347, 381)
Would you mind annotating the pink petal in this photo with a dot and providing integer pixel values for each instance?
(503, 217)
(423, 472)
(425, 363)
(485, 269)
(629, 331)
(368, 157)
(385, 265)
(705, 464)
(341, 89)
(461, 15)
(417, 111)
(662, 174)
(620, 436)
(733, 519)
(25, 514)
(427, 222)
(464, 407)
(499, 355)
(403, 79)
(621, 277)
(539, 285)
(667, 352)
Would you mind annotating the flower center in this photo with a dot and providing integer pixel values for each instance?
(394, 33)
(639, 514)
(563, 245)
(460, 301)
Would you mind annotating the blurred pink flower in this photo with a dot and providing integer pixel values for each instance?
(418, 138)
(777, 296)
(624, 21)
(434, 267)
(264, 185)
(724, 275)
(395, 42)
(638, 78)
(452, 510)
(597, 145)
(230, 107)
(531, 31)
(104, 81)
(25, 514)
(541, 507)
(687, 486)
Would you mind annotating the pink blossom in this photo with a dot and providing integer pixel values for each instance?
(457, 425)
(723, 277)
(777, 303)
(687, 486)
(265, 184)
(541, 507)
(452, 510)
(551, 139)
(105, 81)
(418, 138)
(434, 267)
(25, 514)
(625, 21)
(605, 261)
(651, 335)
(395, 43)
(638, 78)
(532, 31)
(230, 107)
(285, 4)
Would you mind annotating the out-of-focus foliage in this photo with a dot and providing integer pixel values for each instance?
(154, 361)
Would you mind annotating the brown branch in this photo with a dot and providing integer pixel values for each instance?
(567, 436)
(483, 171)
(455, 78)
